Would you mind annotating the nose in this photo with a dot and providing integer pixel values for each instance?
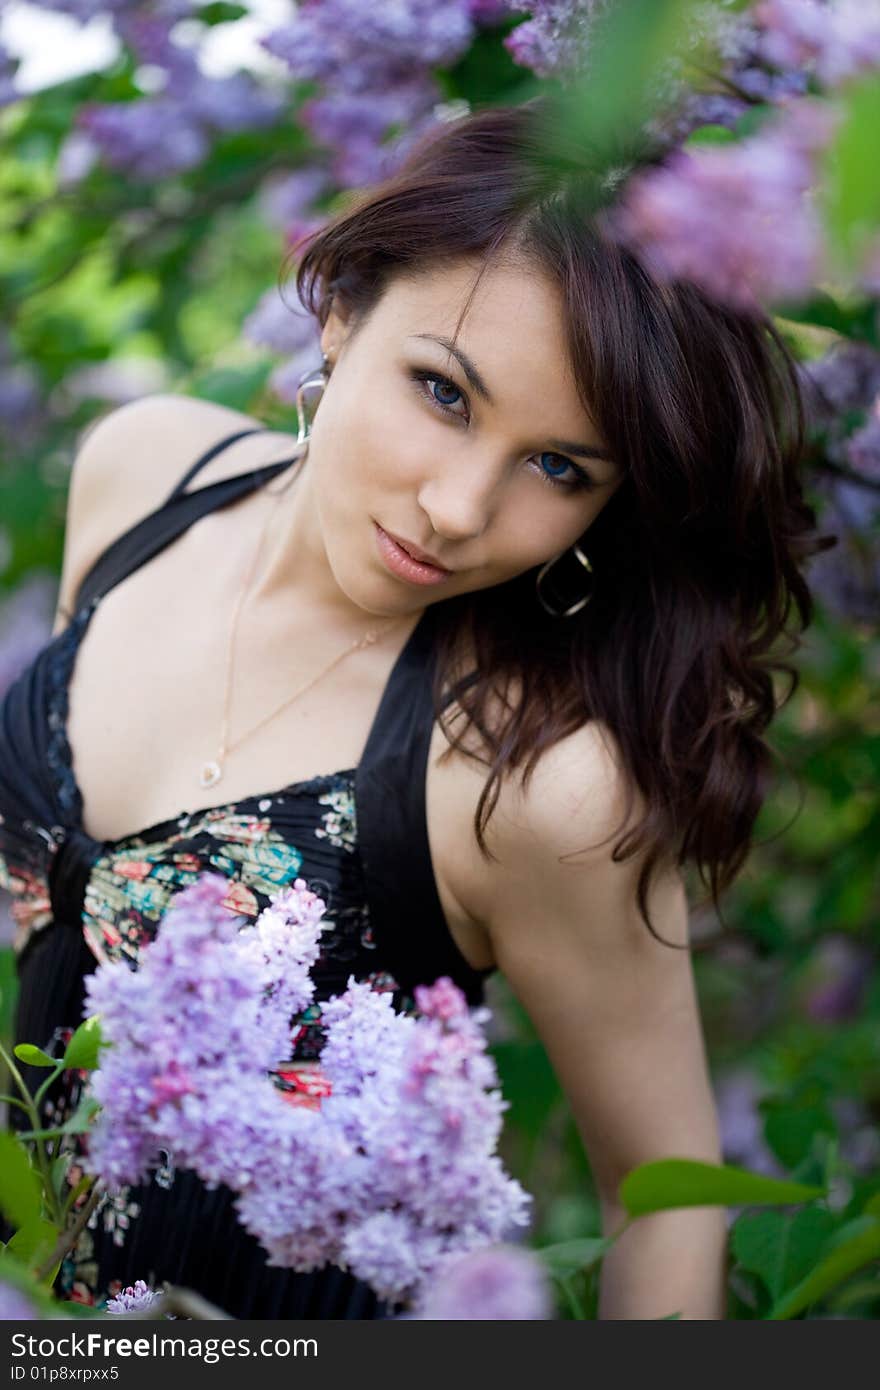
(459, 497)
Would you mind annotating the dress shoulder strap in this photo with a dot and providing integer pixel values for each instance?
(206, 457)
(147, 537)
(405, 908)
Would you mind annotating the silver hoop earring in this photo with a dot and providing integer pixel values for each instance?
(581, 602)
(311, 380)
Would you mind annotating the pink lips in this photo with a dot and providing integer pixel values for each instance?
(403, 565)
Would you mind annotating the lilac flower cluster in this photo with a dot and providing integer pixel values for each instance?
(740, 220)
(133, 1299)
(25, 622)
(836, 41)
(373, 64)
(204, 1011)
(14, 1307)
(286, 329)
(735, 219)
(841, 391)
(20, 397)
(837, 978)
(500, 1283)
(556, 39)
(83, 11)
(391, 1176)
(8, 69)
(172, 130)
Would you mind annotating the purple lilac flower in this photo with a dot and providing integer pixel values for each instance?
(393, 1173)
(373, 64)
(556, 38)
(489, 11)
(14, 1307)
(8, 68)
(847, 577)
(428, 1117)
(842, 380)
(863, 447)
(25, 624)
(280, 326)
(20, 396)
(77, 156)
(498, 1283)
(86, 10)
(736, 220)
(150, 138)
(355, 124)
(286, 199)
(132, 1299)
(286, 329)
(859, 1134)
(341, 40)
(171, 131)
(837, 41)
(742, 1131)
(118, 380)
(204, 1012)
(838, 976)
(868, 274)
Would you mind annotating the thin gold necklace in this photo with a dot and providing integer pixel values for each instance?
(212, 770)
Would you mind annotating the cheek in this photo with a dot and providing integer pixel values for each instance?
(536, 529)
(369, 436)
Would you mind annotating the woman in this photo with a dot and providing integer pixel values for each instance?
(547, 523)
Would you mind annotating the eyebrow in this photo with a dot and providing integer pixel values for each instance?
(471, 371)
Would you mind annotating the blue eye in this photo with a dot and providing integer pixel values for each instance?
(559, 472)
(438, 386)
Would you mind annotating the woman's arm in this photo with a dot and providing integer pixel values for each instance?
(616, 1011)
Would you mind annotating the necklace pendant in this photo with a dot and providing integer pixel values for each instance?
(210, 774)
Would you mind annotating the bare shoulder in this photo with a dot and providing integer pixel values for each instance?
(129, 460)
(577, 788)
(552, 880)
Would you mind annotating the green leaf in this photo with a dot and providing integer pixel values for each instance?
(791, 1126)
(20, 1191)
(849, 187)
(34, 1056)
(711, 135)
(220, 13)
(685, 1182)
(58, 1173)
(781, 1246)
(753, 119)
(32, 1244)
(598, 121)
(82, 1116)
(848, 1256)
(571, 1256)
(872, 1206)
(82, 1050)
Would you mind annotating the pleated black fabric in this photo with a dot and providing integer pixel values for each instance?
(357, 835)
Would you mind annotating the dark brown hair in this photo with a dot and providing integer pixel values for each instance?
(698, 555)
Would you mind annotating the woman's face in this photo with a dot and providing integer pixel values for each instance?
(473, 458)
